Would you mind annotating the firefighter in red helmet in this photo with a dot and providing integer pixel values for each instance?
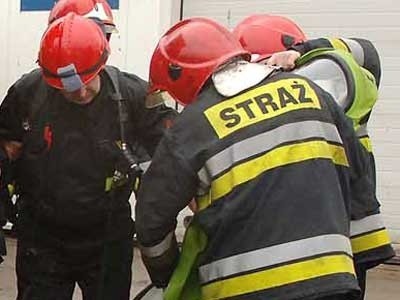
(264, 36)
(75, 167)
(250, 146)
(98, 10)
(70, 62)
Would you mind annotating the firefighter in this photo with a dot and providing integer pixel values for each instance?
(99, 11)
(266, 36)
(274, 166)
(73, 171)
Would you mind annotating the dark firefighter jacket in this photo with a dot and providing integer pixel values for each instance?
(70, 153)
(274, 170)
(370, 239)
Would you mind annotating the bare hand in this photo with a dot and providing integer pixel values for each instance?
(285, 59)
(193, 206)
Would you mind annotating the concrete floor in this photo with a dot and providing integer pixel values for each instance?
(383, 282)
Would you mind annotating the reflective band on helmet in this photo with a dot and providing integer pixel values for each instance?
(70, 71)
(92, 69)
(70, 79)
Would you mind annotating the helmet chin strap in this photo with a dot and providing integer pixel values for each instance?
(238, 76)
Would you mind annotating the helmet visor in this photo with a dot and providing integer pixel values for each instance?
(109, 28)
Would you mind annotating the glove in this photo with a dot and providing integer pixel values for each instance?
(160, 268)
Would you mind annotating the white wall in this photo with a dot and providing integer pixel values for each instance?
(140, 25)
(146, 21)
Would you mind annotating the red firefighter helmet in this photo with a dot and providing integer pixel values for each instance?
(264, 35)
(99, 9)
(73, 50)
(188, 54)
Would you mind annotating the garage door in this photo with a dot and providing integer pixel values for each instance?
(378, 21)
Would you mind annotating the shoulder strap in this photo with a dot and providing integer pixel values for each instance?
(113, 75)
(123, 113)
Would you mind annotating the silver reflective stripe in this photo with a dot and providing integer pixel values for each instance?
(160, 248)
(145, 165)
(366, 224)
(356, 50)
(274, 255)
(71, 81)
(267, 141)
(329, 76)
(205, 182)
(362, 131)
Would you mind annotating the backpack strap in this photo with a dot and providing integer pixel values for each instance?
(123, 112)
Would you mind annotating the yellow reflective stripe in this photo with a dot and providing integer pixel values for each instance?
(279, 276)
(109, 183)
(339, 44)
(366, 142)
(276, 158)
(370, 241)
(273, 256)
(11, 189)
(265, 102)
(203, 201)
(119, 144)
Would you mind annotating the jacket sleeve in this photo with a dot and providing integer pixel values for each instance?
(363, 200)
(150, 124)
(363, 51)
(11, 116)
(167, 187)
(369, 238)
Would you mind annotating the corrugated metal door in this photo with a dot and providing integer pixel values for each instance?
(378, 21)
